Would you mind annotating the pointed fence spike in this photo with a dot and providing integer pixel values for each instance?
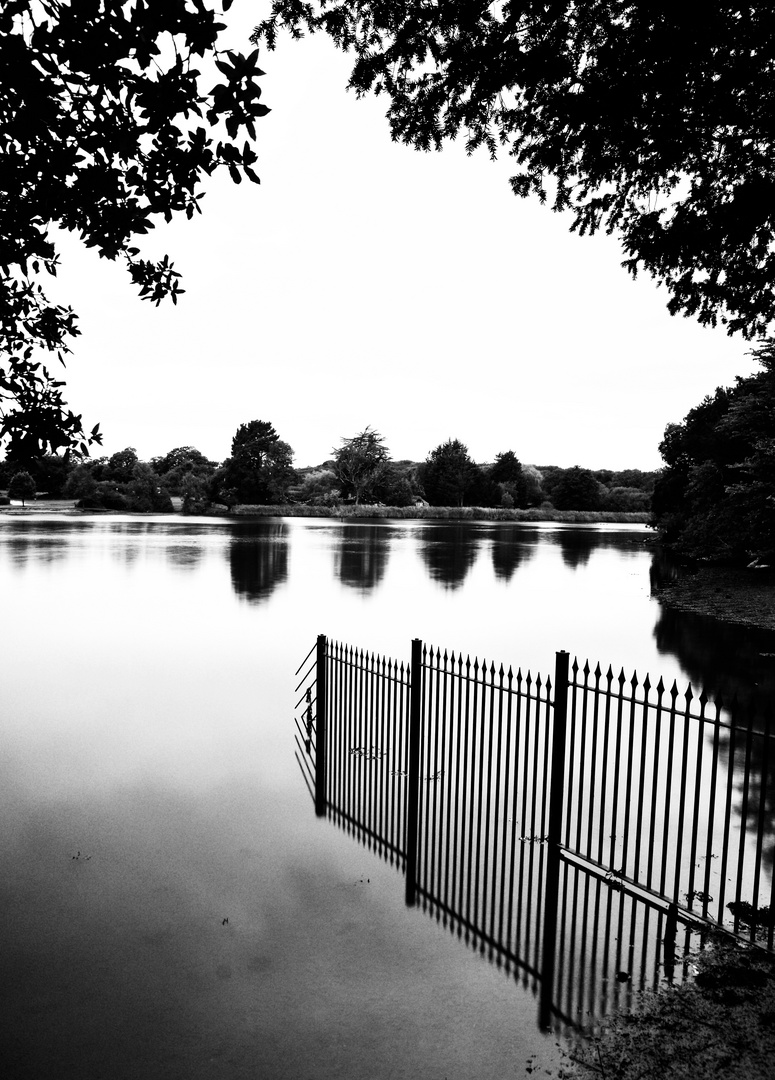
(646, 685)
(674, 691)
(703, 698)
(634, 682)
(586, 670)
(622, 679)
(660, 686)
(689, 696)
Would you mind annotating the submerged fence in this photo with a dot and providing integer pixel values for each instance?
(579, 829)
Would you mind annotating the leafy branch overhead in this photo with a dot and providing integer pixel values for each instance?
(653, 121)
(105, 128)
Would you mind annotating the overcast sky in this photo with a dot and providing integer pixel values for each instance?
(365, 283)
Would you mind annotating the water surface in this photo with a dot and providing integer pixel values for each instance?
(170, 905)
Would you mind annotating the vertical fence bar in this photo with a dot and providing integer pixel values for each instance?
(553, 847)
(413, 779)
(320, 734)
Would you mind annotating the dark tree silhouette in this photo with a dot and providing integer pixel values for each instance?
(653, 121)
(260, 468)
(716, 497)
(104, 129)
(22, 486)
(360, 464)
(575, 489)
(448, 474)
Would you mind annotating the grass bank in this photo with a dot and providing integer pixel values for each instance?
(721, 1023)
(730, 594)
(444, 513)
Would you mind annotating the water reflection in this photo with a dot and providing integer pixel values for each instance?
(449, 552)
(361, 555)
(510, 550)
(576, 546)
(582, 945)
(258, 559)
(728, 661)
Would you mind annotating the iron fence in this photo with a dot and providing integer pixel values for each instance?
(581, 830)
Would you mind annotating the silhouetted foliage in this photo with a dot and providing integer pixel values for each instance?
(573, 489)
(448, 474)
(50, 474)
(716, 497)
(120, 466)
(398, 484)
(105, 130)
(641, 119)
(506, 472)
(177, 468)
(260, 469)
(318, 487)
(22, 486)
(360, 464)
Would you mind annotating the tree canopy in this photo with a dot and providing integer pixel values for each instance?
(105, 129)
(448, 474)
(653, 121)
(360, 464)
(716, 496)
(260, 468)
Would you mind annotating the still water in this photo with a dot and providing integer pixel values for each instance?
(170, 905)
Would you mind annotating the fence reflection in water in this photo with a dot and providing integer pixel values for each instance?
(560, 842)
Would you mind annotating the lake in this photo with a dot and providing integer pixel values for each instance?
(170, 904)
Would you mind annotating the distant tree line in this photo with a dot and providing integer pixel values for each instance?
(260, 471)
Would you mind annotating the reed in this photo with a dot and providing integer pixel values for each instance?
(445, 513)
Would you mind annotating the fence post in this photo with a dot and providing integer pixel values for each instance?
(321, 732)
(556, 792)
(413, 778)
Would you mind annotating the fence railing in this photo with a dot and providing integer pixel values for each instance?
(580, 829)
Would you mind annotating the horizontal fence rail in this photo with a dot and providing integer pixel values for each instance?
(674, 795)
(584, 831)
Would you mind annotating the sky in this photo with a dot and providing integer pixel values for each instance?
(365, 283)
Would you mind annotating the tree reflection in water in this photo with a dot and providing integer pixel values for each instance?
(735, 665)
(510, 551)
(361, 555)
(258, 559)
(449, 552)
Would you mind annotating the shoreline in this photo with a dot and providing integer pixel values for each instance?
(731, 595)
(365, 513)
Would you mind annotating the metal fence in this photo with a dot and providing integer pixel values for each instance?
(579, 829)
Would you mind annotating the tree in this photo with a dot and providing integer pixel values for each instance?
(360, 463)
(716, 496)
(176, 468)
(22, 486)
(506, 472)
(649, 120)
(575, 489)
(144, 492)
(260, 468)
(448, 474)
(104, 129)
(121, 466)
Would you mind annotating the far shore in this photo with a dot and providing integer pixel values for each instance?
(430, 513)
